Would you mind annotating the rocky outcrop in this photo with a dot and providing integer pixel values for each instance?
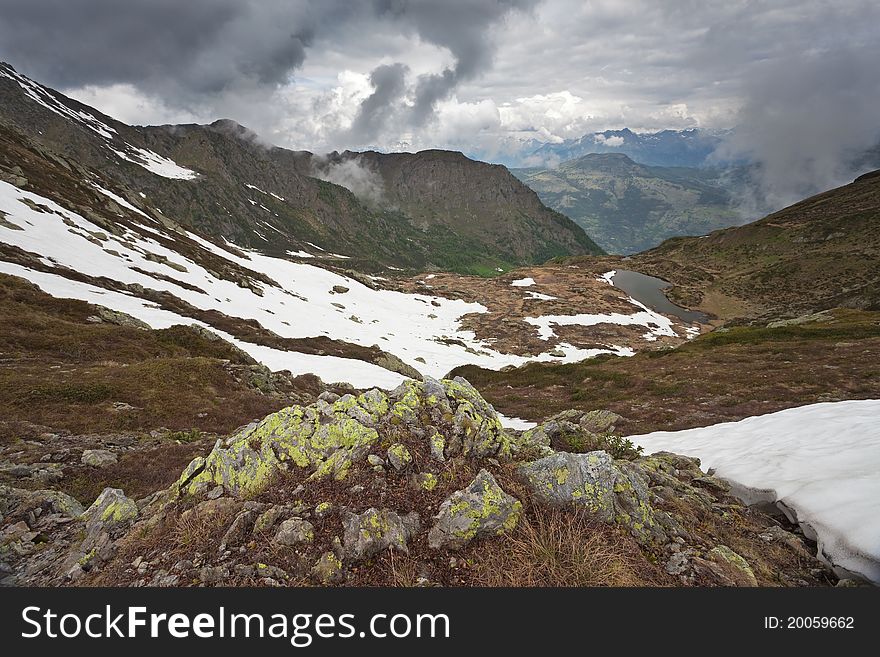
(391, 487)
(326, 439)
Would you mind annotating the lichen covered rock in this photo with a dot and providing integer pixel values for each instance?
(611, 491)
(98, 458)
(368, 533)
(399, 456)
(328, 438)
(111, 508)
(328, 569)
(725, 567)
(295, 531)
(481, 509)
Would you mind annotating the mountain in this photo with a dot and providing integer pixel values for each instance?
(464, 205)
(667, 148)
(628, 207)
(821, 253)
(203, 225)
(220, 180)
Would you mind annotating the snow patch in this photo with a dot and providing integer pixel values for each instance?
(516, 423)
(821, 462)
(523, 282)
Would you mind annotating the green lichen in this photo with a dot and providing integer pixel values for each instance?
(119, 511)
(427, 481)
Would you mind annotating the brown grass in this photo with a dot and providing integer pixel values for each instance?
(552, 547)
(138, 473)
(716, 378)
(58, 370)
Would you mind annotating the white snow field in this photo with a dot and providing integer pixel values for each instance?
(301, 305)
(820, 464)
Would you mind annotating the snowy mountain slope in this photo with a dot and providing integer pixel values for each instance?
(82, 259)
(819, 463)
(93, 223)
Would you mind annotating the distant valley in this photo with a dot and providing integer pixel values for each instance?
(629, 207)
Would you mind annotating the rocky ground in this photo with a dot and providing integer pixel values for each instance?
(419, 486)
(574, 288)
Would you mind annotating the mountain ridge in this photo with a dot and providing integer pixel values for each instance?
(260, 197)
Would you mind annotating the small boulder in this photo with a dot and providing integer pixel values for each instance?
(725, 567)
(481, 509)
(374, 530)
(295, 531)
(399, 456)
(112, 508)
(611, 491)
(239, 530)
(328, 569)
(98, 458)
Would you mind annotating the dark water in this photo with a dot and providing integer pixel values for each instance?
(649, 291)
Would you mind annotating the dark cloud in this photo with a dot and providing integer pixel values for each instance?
(389, 85)
(461, 26)
(177, 50)
(806, 122)
(797, 79)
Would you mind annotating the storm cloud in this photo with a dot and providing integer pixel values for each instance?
(793, 84)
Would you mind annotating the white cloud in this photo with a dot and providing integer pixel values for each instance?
(613, 141)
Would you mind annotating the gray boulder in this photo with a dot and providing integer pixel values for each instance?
(368, 533)
(481, 509)
(294, 532)
(611, 491)
(98, 458)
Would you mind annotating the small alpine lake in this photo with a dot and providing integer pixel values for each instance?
(649, 290)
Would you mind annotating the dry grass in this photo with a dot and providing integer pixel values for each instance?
(718, 377)
(138, 472)
(564, 548)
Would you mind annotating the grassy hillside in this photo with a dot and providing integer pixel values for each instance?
(708, 380)
(821, 253)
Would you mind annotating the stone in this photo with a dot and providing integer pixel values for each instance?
(679, 563)
(776, 534)
(328, 569)
(112, 508)
(611, 491)
(339, 289)
(424, 481)
(437, 443)
(239, 530)
(725, 567)
(323, 509)
(399, 456)
(481, 509)
(117, 317)
(213, 574)
(599, 421)
(295, 531)
(369, 533)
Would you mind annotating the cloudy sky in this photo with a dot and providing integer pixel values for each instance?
(800, 79)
